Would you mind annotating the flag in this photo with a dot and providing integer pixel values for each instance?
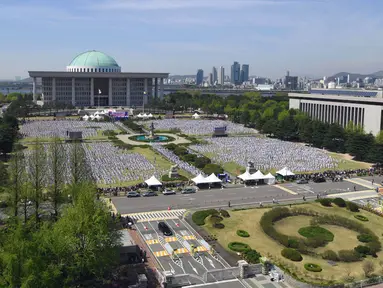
(99, 91)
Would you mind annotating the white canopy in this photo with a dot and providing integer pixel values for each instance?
(144, 115)
(245, 176)
(285, 172)
(91, 117)
(139, 115)
(199, 179)
(150, 115)
(195, 115)
(212, 179)
(153, 181)
(86, 117)
(257, 175)
(98, 117)
(269, 179)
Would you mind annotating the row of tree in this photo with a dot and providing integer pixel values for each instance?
(272, 116)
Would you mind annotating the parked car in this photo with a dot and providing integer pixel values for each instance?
(302, 181)
(132, 194)
(149, 194)
(319, 180)
(188, 190)
(164, 228)
(169, 192)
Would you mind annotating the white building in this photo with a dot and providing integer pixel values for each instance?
(362, 107)
(95, 79)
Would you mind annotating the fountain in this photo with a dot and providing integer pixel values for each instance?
(151, 137)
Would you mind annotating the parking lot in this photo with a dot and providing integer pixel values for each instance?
(184, 252)
(328, 187)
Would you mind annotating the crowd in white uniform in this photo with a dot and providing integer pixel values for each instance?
(176, 160)
(199, 127)
(266, 153)
(59, 128)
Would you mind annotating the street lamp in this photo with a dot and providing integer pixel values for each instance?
(143, 102)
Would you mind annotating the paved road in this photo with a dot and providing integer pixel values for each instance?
(236, 196)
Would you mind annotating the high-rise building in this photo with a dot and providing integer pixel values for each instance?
(215, 76)
(291, 82)
(245, 73)
(211, 81)
(199, 77)
(221, 76)
(235, 73)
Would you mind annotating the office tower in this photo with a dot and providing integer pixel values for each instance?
(348, 79)
(214, 72)
(287, 73)
(235, 73)
(210, 79)
(221, 76)
(291, 82)
(199, 77)
(245, 73)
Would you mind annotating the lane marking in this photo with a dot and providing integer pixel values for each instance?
(189, 237)
(286, 190)
(360, 184)
(152, 241)
(171, 239)
(351, 193)
(160, 253)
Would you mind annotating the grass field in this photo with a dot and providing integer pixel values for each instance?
(345, 164)
(248, 220)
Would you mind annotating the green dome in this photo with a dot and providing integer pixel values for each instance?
(93, 59)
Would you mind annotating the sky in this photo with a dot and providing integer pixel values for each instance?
(307, 37)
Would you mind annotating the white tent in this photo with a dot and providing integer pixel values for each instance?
(269, 179)
(196, 116)
(91, 117)
(144, 115)
(199, 179)
(257, 175)
(153, 181)
(139, 115)
(285, 172)
(245, 176)
(86, 117)
(98, 117)
(150, 115)
(213, 179)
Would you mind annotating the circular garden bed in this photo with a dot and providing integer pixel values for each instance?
(313, 267)
(316, 231)
(243, 233)
(238, 246)
(361, 218)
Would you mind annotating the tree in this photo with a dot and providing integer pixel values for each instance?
(37, 174)
(379, 137)
(79, 170)
(57, 168)
(358, 144)
(17, 178)
(212, 168)
(4, 176)
(334, 138)
(319, 131)
(368, 268)
(245, 117)
(7, 139)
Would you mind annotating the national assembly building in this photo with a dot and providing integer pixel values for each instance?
(95, 79)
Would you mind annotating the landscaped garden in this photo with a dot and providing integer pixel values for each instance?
(320, 242)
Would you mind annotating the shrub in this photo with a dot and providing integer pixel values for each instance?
(362, 250)
(252, 256)
(180, 151)
(352, 207)
(200, 216)
(330, 255)
(166, 178)
(313, 267)
(365, 238)
(212, 168)
(215, 219)
(325, 202)
(238, 246)
(224, 213)
(292, 254)
(219, 225)
(348, 256)
(315, 231)
(317, 241)
(171, 146)
(189, 157)
(293, 243)
(243, 233)
(361, 218)
(201, 162)
(339, 202)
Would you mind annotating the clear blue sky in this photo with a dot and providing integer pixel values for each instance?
(307, 37)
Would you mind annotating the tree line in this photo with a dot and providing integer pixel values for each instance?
(272, 116)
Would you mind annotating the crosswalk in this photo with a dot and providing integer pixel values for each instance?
(156, 215)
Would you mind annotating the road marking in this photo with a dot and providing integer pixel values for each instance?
(152, 241)
(211, 262)
(345, 194)
(160, 253)
(286, 190)
(360, 184)
(189, 237)
(368, 182)
(194, 269)
(181, 251)
(201, 249)
(359, 198)
(171, 239)
(156, 215)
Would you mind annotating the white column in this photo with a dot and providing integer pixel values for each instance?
(91, 92)
(128, 92)
(155, 87)
(73, 92)
(161, 88)
(110, 94)
(357, 115)
(34, 90)
(54, 90)
(145, 98)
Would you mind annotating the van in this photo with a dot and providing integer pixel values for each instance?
(164, 228)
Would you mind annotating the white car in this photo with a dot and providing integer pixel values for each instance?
(169, 192)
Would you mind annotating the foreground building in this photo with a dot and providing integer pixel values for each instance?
(95, 79)
(362, 107)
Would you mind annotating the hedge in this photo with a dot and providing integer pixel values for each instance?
(292, 254)
(352, 207)
(218, 225)
(215, 218)
(314, 231)
(166, 178)
(363, 250)
(238, 246)
(313, 267)
(200, 216)
(252, 256)
(361, 218)
(348, 256)
(330, 255)
(224, 213)
(243, 233)
(339, 202)
(365, 238)
(325, 202)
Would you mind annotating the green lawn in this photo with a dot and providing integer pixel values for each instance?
(345, 164)
(248, 220)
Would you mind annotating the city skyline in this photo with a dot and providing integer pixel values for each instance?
(309, 38)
